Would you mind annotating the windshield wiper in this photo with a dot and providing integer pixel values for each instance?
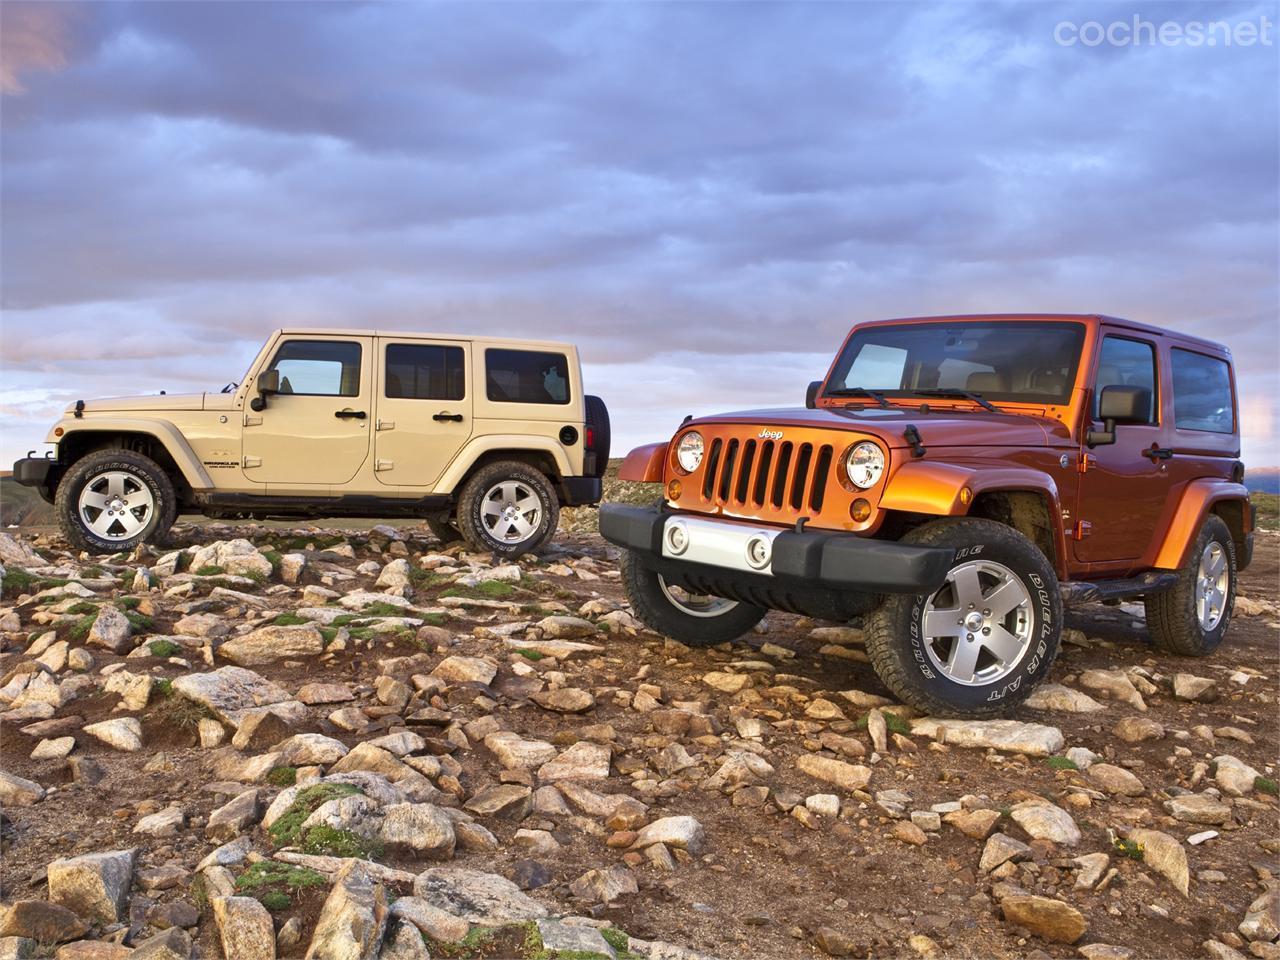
(959, 394)
(875, 395)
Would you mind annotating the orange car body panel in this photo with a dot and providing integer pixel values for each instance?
(1034, 447)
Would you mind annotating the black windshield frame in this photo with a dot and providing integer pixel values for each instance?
(1069, 347)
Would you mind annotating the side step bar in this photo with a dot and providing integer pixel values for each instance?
(1094, 591)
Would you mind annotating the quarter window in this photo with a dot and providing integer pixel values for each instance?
(319, 368)
(1127, 363)
(1201, 392)
(526, 376)
(425, 372)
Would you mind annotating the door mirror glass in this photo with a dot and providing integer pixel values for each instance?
(811, 395)
(1124, 404)
(268, 383)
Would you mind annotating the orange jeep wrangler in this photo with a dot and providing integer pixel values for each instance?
(954, 481)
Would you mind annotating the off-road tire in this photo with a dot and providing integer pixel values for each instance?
(145, 470)
(597, 419)
(443, 530)
(654, 609)
(471, 523)
(1171, 614)
(895, 644)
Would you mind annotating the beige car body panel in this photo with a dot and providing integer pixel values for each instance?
(297, 446)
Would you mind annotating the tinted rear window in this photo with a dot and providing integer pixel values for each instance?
(425, 372)
(526, 376)
(1201, 393)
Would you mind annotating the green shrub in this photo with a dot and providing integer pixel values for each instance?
(485, 590)
(210, 571)
(1265, 785)
(1129, 848)
(290, 620)
(328, 842)
(329, 634)
(275, 900)
(269, 874)
(893, 723)
(283, 776)
(380, 608)
(274, 558)
(435, 619)
(128, 603)
(17, 582)
(164, 648)
(530, 654)
(82, 608)
(1060, 763)
(286, 829)
(163, 687)
(139, 621)
(80, 629)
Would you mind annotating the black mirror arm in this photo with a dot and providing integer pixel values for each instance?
(1099, 438)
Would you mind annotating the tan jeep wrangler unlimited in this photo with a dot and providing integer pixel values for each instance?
(955, 480)
(482, 438)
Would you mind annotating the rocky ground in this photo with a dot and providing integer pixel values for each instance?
(301, 742)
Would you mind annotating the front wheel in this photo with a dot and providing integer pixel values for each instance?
(1191, 618)
(113, 500)
(697, 620)
(979, 644)
(508, 508)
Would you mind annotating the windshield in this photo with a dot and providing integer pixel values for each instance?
(1033, 362)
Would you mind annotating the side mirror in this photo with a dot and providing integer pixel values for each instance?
(1119, 405)
(811, 395)
(268, 383)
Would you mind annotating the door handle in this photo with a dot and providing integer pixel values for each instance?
(1157, 453)
(452, 417)
(350, 414)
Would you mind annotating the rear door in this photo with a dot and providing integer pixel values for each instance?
(314, 434)
(423, 409)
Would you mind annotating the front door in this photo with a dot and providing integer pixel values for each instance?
(1122, 493)
(424, 409)
(314, 434)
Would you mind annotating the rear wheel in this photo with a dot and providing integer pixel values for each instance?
(1191, 618)
(113, 500)
(980, 643)
(508, 508)
(698, 620)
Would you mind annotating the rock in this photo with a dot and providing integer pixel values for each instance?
(483, 898)
(207, 625)
(1115, 685)
(683, 832)
(211, 732)
(575, 940)
(1104, 951)
(123, 733)
(466, 670)
(1163, 854)
(260, 729)
(567, 628)
(236, 557)
(1198, 808)
(1082, 757)
(403, 942)
(292, 567)
(245, 928)
(1092, 867)
(271, 643)
(823, 804)
(1234, 777)
(1138, 729)
(234, 817)
(1045, 917)
(582, 761)
(606, 885)
(164, 823)
(353, 918)
(1053, 696)
(726, 682)
(16, 791)
(1262, 919)
(516, 753)
(16, 553)
(435, 923)
(1032, 739)
(909, 833)
(422, 827)
(311, 749)
(977, 824)
(1187, 686)
(230, 692)
(509, 801)
(559, 649)
(1044, 821)
(318, 693)
(564, 700)
(1115, 780)
(111, 629)
(530, 874)
(1001, 848)
(94, 886)
(42, 921)
(1220, 951)
(846, 776)
(395, 575)
(134, 689)
(172, 944)
(927, 820)
(878, 730)
(836, 944)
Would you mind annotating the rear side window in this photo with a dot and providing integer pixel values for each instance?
(1201, 392)
(1127, 363)
(526, 376)
(419, 371)
(319, 368)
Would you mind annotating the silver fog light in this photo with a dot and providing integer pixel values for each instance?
(677, 537)
(759, 551)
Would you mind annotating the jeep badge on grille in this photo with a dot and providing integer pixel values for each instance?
(770, 434)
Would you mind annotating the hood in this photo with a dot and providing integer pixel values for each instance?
(945, 427)
(170, 401)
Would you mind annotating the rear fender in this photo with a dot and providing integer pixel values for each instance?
(644, 464)
(1199, 499)
(492, 443)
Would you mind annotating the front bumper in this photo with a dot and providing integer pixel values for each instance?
(822, 561)
(36, 472)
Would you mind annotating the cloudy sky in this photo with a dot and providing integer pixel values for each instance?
(703, 196)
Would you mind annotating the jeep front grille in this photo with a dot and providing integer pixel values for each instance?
(767, 476)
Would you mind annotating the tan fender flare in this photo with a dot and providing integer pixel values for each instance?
(938, 488)
(516, 443)
(644, 464)
(1198, 501)
(164, 432)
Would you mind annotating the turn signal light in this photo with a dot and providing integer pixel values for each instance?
(860, 510)
(965, 495)
(674, 490)
(58, 431)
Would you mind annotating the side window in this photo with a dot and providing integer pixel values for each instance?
(419, 371)
(526, 376)
(319, 368)
(1201, 392)
(1127, 363)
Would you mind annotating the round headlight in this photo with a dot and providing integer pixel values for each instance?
(689, 451)
(864, 464)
